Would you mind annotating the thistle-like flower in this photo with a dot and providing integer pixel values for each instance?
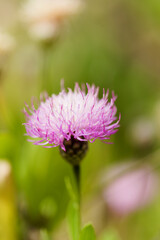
(71, 119)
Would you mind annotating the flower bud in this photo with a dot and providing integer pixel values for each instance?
(75, 150)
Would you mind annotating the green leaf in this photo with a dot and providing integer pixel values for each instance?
(73, 211)
(48, 207)
(44, 235)
(88, 233)
(110, 234)
(70, 189)
(74, 220)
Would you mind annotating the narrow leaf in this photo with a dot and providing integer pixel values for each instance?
(74, 220)
(70, 189)
(88, 233)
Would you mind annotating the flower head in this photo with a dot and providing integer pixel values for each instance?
(72, 115)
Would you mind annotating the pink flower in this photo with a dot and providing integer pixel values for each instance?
(132, 190)
(72, 114)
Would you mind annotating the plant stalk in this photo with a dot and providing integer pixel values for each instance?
(77, 173)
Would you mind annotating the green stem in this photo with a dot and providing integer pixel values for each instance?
(77, 172)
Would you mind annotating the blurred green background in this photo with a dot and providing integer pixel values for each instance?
(115, 45)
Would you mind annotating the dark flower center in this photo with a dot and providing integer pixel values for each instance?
(75, 150)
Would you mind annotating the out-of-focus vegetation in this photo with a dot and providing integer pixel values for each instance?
(115, 45)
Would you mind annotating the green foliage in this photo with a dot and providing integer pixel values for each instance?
(73, 212)
(44, 235)
(74, 220)
(88, 233)
(74, 217)
(71, 191)
(48, 207)
(110, 234)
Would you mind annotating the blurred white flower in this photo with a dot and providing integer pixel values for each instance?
(50, 10)
(5, 171)
(44, 30)
(131, 190)
(142, 132)
(6, 44)
(46, 16)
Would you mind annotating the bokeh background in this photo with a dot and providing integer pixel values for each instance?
(114, 45)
